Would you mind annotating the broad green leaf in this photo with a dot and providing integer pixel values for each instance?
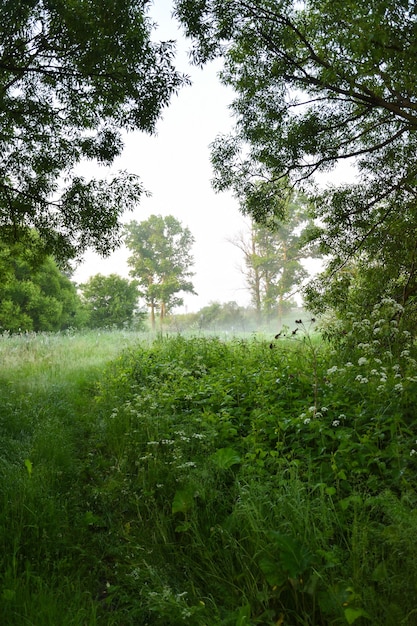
(352, 614)
(183, 501)
(272, 572)
(225, 458)
(243, 616)
(292, 555)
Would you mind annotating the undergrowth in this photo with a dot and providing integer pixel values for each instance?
(212, 482)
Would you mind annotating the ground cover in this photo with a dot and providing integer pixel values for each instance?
(207, 481)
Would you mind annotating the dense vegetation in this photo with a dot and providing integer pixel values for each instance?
(166, 480)
(73, 76)
(208, 482)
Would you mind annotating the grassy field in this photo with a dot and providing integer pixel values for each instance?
(206, 481)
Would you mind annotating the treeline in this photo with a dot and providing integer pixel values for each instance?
(40, 296)
(231, 317)
(37, 293)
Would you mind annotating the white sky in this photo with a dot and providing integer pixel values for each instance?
(175, 167)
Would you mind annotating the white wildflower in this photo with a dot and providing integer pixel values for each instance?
(307, 421)
(362, 361)
(361, 379)
(187, 465)
(336, 423)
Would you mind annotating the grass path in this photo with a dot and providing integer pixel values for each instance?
(47, 386)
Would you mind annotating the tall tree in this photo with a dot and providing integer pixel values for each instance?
(35, 295)
(74, 74)
(111, 301)
(317, 84)
(273, 257)
(160, 261)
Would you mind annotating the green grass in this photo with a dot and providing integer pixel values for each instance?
(205, 482)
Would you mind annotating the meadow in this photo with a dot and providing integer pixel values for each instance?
(207, 481)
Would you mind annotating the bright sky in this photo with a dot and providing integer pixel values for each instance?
(175, 167)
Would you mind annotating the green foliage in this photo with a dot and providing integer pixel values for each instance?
(227, 316)
(34, 293)
(207, 482)
(320, 84)
(272, 255)
(111, 301)
(73, 75)
(160, 261)
(276, 454)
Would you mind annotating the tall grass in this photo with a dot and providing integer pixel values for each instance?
(47, 384)
(205, 482)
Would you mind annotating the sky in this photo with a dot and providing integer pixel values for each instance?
(174, 165)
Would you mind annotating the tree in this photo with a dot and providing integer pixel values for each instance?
(160, 261)
(110, 301)
(74, 74)
(318, 84)
(273, 256)
(228, 316)
(35, 295)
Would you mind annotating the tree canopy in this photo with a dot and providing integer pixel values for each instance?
(320, 84)
(273, 255)
(35, 295)
(160, 261)
(74, 74)
(110, 301)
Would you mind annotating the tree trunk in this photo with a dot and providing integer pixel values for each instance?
(152, 305)
(162, 313)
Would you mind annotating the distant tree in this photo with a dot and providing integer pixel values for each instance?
(35, 295)
(273, 255)
(224, 316)
(110, 301)
(73, 75)
(160, 261)
(209, 315)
